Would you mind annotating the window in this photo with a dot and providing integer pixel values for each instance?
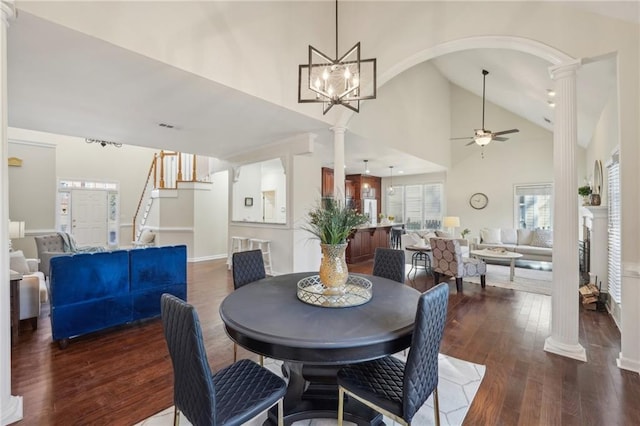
(614, 243)
(417, 206)
(534, 206)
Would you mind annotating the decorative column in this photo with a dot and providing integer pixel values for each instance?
(564, 302)
(338, 162)
(10, 406)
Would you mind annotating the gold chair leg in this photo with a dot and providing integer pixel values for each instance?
(176, 416)
(340, 405)
(436, 406)
(261, 361)
(235, 352)
(281, 412)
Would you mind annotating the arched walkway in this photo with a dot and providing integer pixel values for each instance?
(562, 68)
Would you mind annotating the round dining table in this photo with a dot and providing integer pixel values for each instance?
(314, 342)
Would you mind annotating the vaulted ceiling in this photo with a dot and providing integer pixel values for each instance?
(62, 81)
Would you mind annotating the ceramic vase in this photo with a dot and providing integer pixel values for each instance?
(594, 199)
(333, 268)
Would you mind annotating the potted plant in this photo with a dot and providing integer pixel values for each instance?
(332, 222)
(465, 232)
(584, 192)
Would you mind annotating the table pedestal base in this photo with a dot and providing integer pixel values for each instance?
(312, 393)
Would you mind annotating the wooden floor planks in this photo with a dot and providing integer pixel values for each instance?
(123, 375)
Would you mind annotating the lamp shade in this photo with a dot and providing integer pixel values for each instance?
(451, 222)
(16, 229)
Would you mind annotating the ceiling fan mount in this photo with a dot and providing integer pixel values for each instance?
(484, 136)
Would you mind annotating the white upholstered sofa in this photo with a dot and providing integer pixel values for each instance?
(533, 244)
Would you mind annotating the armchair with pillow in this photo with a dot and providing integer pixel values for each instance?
(533, 244)
(32, 287)
(421, 238)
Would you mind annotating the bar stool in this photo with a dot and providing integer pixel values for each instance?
(265, 247)
(237, 244)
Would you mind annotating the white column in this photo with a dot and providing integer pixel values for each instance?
(10, 406)
(338, 162)
(564, 302)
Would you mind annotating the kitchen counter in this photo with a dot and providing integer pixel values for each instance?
(364, 241)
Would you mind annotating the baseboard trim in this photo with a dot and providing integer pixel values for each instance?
(628, 364)
(13, 411)
(205, 258)
(562, 349)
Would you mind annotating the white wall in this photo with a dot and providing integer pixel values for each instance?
(211, 217)
(411, 114)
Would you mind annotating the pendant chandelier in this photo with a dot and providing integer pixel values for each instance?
(342, 81)
(391, 190)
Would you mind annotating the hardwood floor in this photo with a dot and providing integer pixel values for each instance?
(124, 375)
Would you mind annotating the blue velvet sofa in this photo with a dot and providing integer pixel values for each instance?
(94, 291)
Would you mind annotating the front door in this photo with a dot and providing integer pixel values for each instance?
(89, 217)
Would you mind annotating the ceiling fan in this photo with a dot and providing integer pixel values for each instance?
(483, 136)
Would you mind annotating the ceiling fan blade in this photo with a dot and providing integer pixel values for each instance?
(459, 139)
(499, 139)
(471, 143)
(505, 132)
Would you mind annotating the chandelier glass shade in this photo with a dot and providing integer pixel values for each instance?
(391, 190)
(345, 80)
(483, 140)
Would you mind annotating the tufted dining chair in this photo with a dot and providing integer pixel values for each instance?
(232, 395)
(395, 388)
(448, 260)
(389, 263)
(248, 266)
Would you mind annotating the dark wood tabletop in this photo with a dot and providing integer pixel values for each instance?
(266, 317)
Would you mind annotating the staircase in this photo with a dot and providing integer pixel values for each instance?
(166, 171)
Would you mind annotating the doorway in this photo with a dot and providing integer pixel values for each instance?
(269, 206)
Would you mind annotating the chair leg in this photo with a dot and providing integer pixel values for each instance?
(340, 405)
(176, 416)
(436, 406)
(235, 352)
(261, 361)
(483, 281)
(34, 323)
(281, 412)
(436, 278)
(459, 284)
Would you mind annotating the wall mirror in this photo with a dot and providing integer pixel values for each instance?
(597, 177)
(259, 193)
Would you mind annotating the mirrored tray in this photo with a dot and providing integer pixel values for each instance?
(358, 290)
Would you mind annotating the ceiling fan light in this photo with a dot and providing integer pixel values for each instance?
(483, 140)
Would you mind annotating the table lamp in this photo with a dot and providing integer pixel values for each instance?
(451, 223)
(16, 230)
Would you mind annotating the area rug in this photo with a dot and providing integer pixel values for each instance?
(459, 382)
(531, 280)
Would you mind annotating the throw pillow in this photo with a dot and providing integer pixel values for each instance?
(490, 235)
(415, 239)
(508, 236)
(524, 237)
(147, 236)
(18, 263)
(542, 238)
(442, 234)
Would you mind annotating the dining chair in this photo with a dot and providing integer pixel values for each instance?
(389, 263)
(248, 266)
(231, 396)
(395, 388)
(448, 260)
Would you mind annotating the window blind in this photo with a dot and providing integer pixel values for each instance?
(614, 242)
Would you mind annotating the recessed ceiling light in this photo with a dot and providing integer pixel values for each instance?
(168, 126)
(400, 172)
(546, 119)
(551, 104)
(551, 93)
